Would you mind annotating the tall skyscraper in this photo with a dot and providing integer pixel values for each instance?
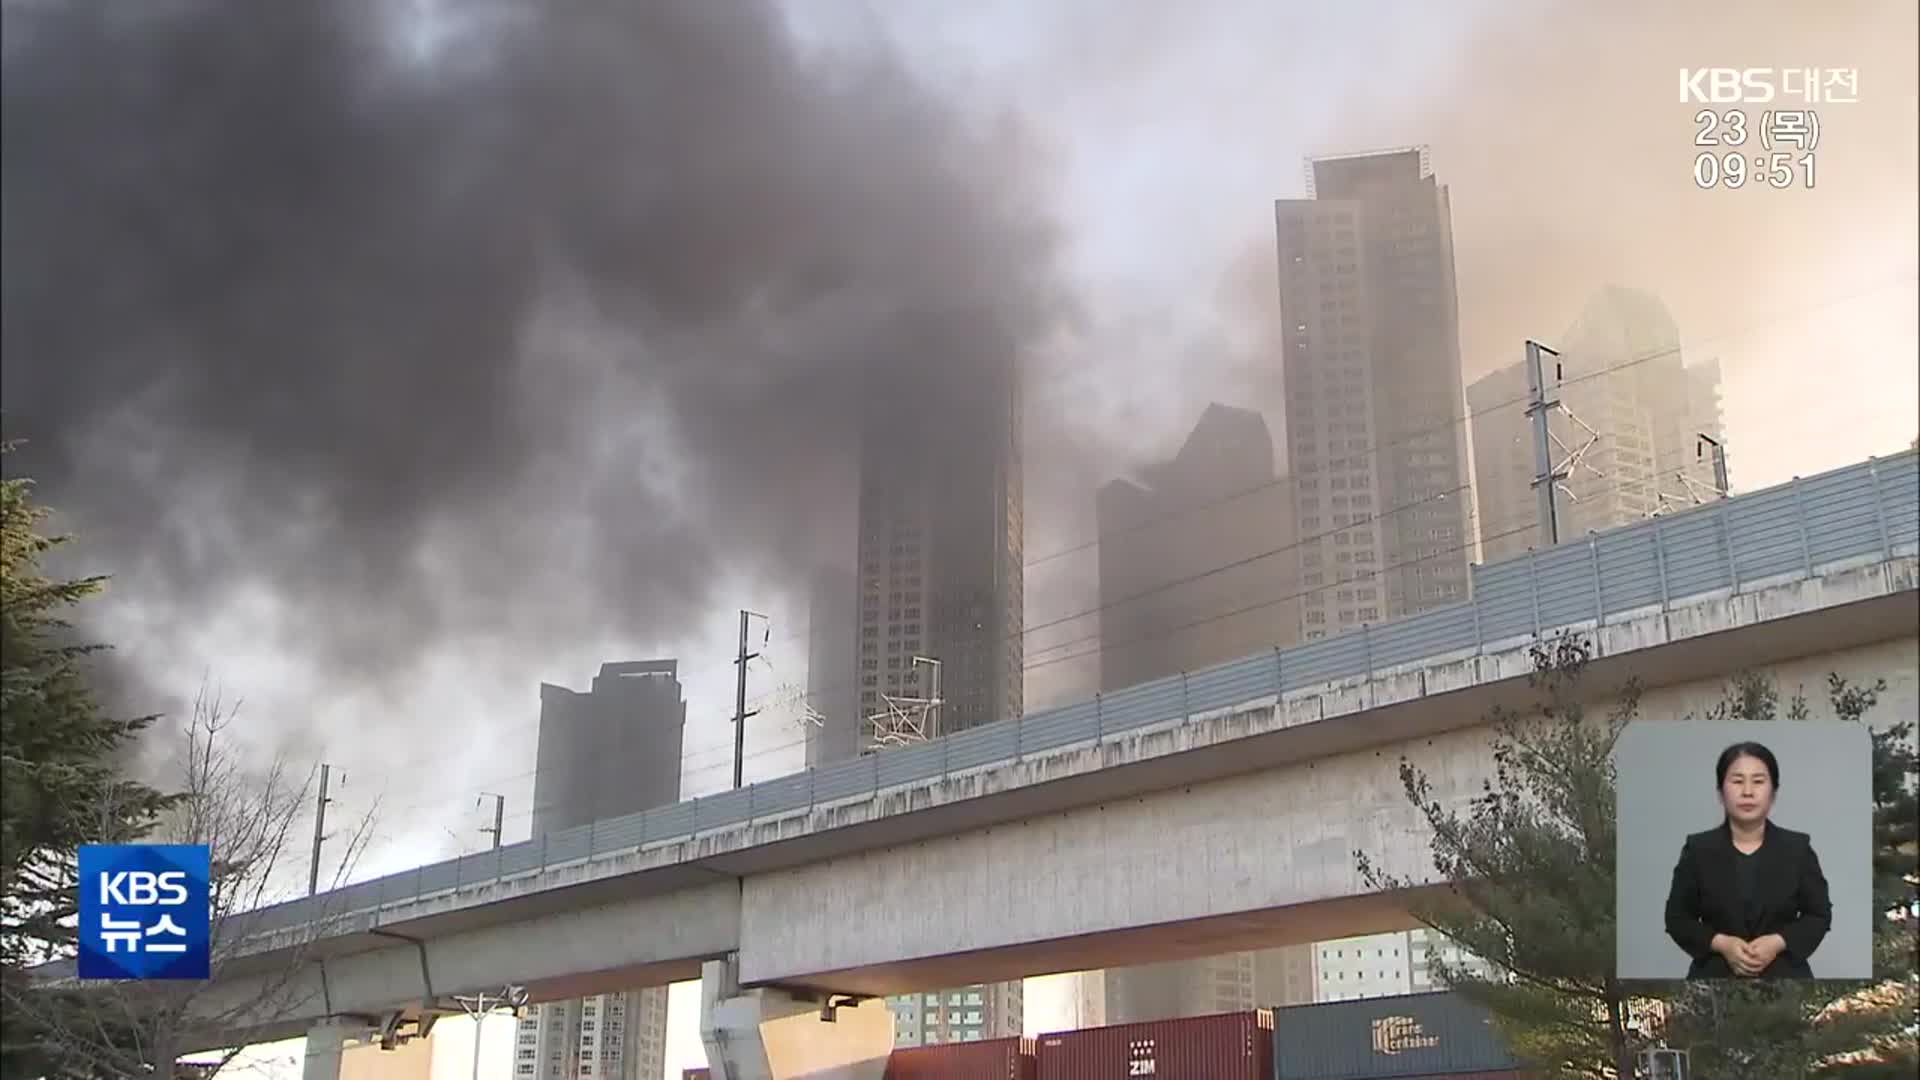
(611, 751)
(939, 577)
(940, 545)
(1635, 412)
(1373, 390)
(835, 730)
(1196, 566)
(1196, 569)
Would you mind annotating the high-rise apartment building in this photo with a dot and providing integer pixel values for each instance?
(1371, 366)
(834, 731)
(940, 545)
(967, 1014)
(1197, 569)
(1195, 556)
(611, 751)
(939, 577)
(1382, 965)
(1633, 414)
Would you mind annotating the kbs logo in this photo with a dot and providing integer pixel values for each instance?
(144, 911)
(1721, 86)
(143, 887)
(1763, 86)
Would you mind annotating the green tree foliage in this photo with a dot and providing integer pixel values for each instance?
(60, 785)
(1528, 873)
(1528, 868)
(1820, 1029)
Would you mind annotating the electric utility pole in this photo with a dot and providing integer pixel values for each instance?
(479, 1006)
(499, 815)
(319, 828)
(1720, 488)
(740, 712)
(1538, 406)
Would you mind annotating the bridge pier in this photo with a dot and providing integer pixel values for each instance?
(774, 1034)
(325, 1043)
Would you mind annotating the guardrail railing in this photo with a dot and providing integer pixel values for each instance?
(1794, 529)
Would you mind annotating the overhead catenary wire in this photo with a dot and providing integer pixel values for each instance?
(1290, 478)
(1207, 505)
(1526, 524)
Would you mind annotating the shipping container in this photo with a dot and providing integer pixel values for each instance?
(696, 1074)
(986, 1059)
(1227, 1046)
(1381, 1038)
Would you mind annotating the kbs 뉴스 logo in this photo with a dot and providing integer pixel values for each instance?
(144, 911)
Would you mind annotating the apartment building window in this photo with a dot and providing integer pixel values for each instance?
(1370, 614)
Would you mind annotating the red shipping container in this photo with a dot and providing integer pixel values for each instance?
(1228, 1046)
(985, 1059)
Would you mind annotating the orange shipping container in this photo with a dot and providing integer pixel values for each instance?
(1228, 1046)
(987, 1059)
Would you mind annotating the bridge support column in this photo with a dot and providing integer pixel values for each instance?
(778, 1035)
(325, 1042)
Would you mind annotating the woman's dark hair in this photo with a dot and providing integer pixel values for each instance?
(1746, 749)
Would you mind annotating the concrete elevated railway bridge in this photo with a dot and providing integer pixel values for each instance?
(1210, 811)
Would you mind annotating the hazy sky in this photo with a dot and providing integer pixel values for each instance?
(392, 373)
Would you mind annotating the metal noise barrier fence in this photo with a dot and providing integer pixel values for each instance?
(1864, 511)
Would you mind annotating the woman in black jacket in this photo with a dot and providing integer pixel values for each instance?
(1748, 898)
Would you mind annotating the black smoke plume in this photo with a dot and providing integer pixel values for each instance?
(508, 318)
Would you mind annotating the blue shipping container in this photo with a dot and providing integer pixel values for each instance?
(1378, 1038)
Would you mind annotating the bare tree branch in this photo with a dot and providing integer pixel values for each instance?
(246, 812)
